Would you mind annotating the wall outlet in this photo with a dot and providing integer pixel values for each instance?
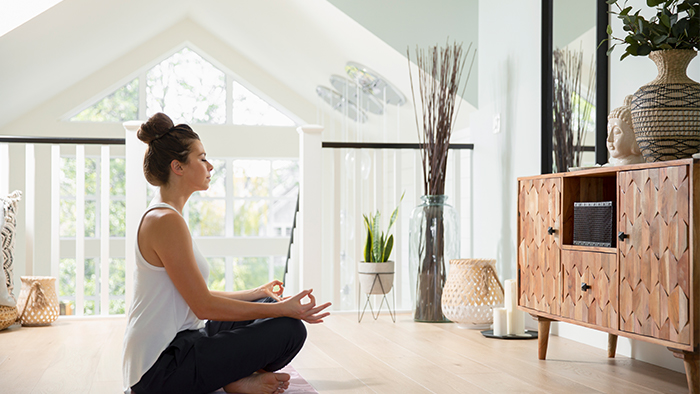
(497, 123)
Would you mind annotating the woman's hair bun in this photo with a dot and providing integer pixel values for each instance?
(155, 126)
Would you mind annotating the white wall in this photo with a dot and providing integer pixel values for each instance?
(509, 87)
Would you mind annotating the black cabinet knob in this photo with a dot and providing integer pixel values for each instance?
(585, 286)
(550, 230)
(622, 236)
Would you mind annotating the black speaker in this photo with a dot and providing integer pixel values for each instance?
(594, 223)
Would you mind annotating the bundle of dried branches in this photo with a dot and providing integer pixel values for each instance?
(572, 107)
(439, 74)
(440, 71)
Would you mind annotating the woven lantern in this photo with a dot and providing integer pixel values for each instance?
(38, 301)
(471, 292)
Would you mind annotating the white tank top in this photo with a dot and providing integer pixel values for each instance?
(158, 312)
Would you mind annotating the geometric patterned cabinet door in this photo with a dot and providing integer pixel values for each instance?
(655, 281)
(590, 288)
(539, 223)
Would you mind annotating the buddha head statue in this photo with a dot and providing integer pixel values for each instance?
(621, 143)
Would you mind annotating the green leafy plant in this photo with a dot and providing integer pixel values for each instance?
(676, 25)
(378, 247)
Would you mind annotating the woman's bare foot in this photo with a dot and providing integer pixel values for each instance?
(260, 383)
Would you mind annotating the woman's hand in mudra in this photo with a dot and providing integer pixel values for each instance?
(308, 312)
(273, 289)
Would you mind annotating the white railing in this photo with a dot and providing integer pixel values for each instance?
(339, 182)
(38, 246)
(348, 180)
(33, 166)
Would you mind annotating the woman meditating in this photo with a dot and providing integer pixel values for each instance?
(182, 337)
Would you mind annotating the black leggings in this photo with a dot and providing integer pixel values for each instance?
(205, 360)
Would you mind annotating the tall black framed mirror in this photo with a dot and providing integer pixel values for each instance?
(575, 27)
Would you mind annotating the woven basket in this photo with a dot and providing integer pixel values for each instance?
(38, 302)
(471, 291)
(8, 316)
(666, 111)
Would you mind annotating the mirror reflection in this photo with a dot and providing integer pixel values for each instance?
(573, 83)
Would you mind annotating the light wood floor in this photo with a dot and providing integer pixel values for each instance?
(342, 356)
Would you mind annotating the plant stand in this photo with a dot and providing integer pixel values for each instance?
(375, 282)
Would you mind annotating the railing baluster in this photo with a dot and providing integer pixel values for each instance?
(400, 258)
(104, 229)
(456, 170)
(79, 229)
(55, 210)
(335, 223)
(29, 207)
(136, 188)
(357, 254)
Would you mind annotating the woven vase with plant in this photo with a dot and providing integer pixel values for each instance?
(434, 225)
(666, 111)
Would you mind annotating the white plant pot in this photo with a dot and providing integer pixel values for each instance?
(372, 283)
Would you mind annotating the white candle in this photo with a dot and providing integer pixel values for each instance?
(500, 321)
(516, 322)
(511, 295)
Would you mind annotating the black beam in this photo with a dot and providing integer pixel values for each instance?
(547, 99)
(602, 74)
(63, 140)
(382, 145)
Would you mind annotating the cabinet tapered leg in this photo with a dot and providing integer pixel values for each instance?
(691, 361)
(542, 336)
(612, 345)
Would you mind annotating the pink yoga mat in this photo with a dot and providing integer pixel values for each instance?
(297, 384)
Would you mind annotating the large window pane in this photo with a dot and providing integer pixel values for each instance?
(67, 178)
(66, 286)
(285, 178)
(251, 178)
(250, 272)
(66, 219)
(91, 172)
(120, 106)
(278, 265)
(250, 218)
(92, 288)
(116, 286)
(117, 218)
(117, 176)
(66, 281)
(217, 185)
(117, 307)
(207, 217)
(187, 88)
(90, 218)
(150, 193)
(250, 109)
(217, 273)
(281, 217)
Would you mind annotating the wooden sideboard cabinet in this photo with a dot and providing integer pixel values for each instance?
(646, 286)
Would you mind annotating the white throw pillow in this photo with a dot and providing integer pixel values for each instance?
(6, 298)
(7, 236)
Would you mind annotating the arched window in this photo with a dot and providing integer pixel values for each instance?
(189, 89)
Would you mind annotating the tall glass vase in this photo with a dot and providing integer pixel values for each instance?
(433, 242)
